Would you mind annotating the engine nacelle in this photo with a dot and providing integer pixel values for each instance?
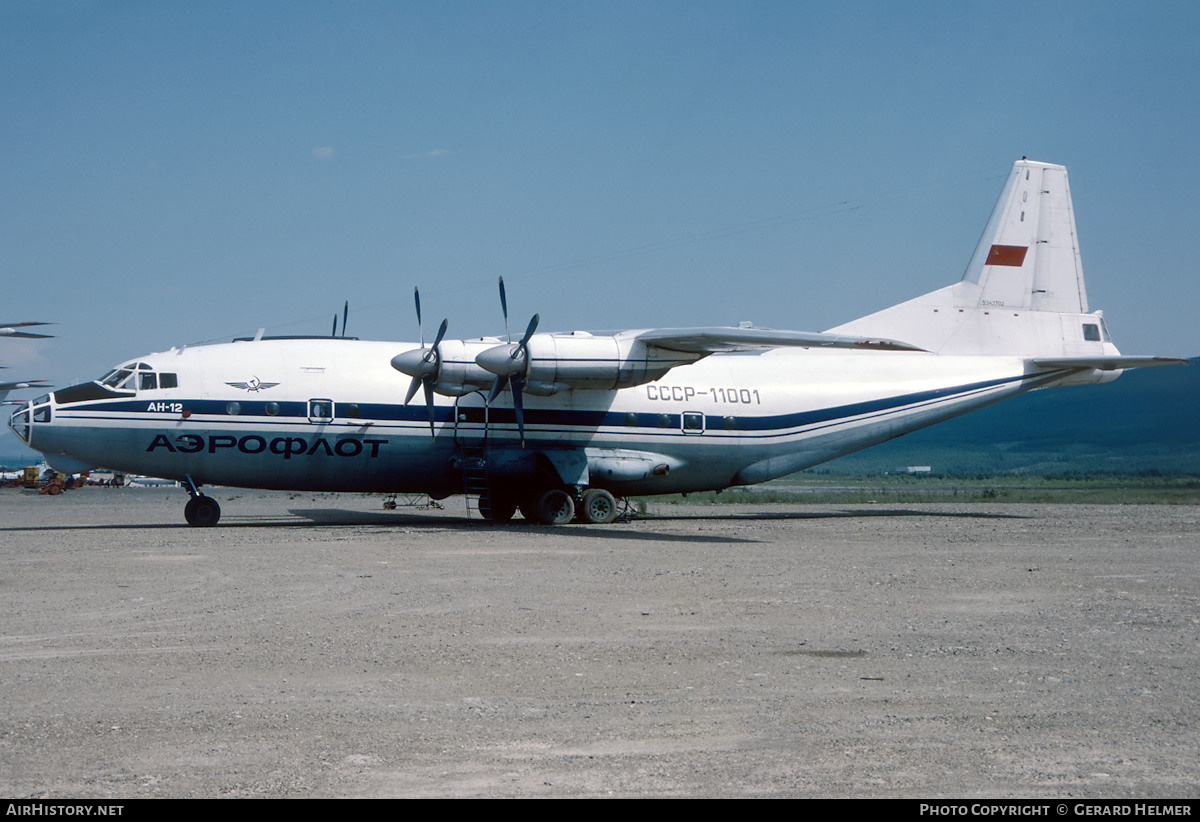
(458, 374)
(579, 360)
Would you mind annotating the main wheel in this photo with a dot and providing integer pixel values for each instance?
(554, 507)
(599, 506)
(202, 512)
(497, 509)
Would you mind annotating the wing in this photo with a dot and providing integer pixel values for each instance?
(718, 339)
(548, 363)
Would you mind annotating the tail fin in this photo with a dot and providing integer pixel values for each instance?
(1022, 293)
(1028, 256)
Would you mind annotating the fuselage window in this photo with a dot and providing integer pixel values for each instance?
(320, 410)
(168, 381)
(147, 381)
(1091, 332)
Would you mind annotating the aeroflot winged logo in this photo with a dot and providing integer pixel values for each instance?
(254, 385)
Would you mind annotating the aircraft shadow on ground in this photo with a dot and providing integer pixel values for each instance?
(457, 522)
(848, 513)
(325, 517)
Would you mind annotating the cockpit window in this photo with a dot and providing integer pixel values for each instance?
(88, 391)
(138, 376)
(116, 378)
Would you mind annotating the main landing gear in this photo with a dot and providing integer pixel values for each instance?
(553, 506)
(200, 510)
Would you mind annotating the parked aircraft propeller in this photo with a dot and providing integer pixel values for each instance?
(509, 363)
(422, 364)
(10, 330)
(345, 316)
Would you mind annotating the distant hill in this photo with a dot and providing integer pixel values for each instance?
(1146, 420)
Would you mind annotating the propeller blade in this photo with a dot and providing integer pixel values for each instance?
(504, 310)
(333, 333)
(441, 333)
(417, 299)
(412, 389)
(497, 387)
(515, 383)
(429, 405)
(533, 324)
(345, 316)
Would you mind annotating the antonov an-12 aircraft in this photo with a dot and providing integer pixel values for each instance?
(559, 425)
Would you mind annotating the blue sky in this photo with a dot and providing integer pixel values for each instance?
(181, 172)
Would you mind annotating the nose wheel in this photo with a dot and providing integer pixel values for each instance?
(200, 510)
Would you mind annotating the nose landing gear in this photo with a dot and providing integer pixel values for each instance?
(200, 510)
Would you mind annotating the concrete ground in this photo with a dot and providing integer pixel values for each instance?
(317, 645)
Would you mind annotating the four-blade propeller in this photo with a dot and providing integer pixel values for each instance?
(422, 364)
(509, 363)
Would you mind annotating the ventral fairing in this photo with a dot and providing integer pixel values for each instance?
(559, 425)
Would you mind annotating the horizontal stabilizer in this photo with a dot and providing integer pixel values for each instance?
(1102, 363)
(723, 339)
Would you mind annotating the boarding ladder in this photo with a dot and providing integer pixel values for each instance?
(471, 439)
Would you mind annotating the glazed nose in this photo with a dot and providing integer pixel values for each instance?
(19, 422)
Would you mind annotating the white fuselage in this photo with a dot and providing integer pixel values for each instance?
(328, 414)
